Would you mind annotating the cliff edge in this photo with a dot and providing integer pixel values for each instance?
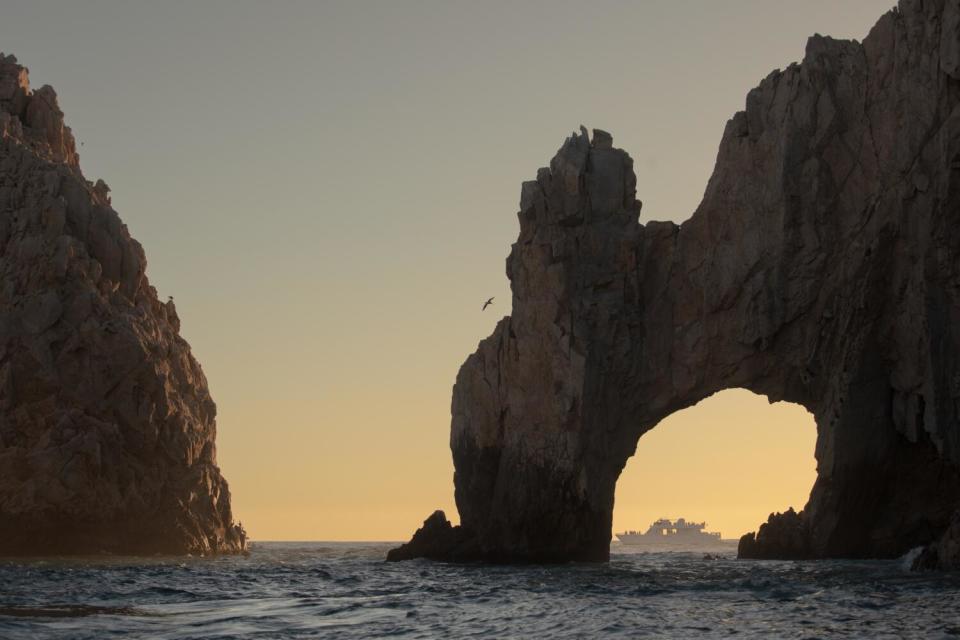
(107, 430)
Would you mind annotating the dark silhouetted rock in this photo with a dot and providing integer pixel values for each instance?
(785, 536)
(945, 552)
(437, 539)
(106, 425)
(822, 267)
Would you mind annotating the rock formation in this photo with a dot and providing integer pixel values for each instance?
(106, 425)
(437, 539)
(822, 267)
(944, 553)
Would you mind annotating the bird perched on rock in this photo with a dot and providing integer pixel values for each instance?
(487, 304)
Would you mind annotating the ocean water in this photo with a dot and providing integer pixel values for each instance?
(346, 590)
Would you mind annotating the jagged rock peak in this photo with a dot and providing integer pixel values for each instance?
(107, 428)
(33, 117)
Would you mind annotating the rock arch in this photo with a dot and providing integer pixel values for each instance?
(822, 267)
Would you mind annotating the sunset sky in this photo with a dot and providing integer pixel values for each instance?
(329, 190)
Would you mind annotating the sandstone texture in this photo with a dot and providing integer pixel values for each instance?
(107, 428)
(822, 267)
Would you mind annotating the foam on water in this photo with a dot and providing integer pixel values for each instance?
(293, 590)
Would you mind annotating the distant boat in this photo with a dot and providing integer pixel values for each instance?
(670, 534)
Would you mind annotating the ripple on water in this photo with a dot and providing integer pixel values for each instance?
(290, 590)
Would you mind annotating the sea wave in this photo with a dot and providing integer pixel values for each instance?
(346, 590)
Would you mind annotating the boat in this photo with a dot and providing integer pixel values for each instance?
(673, 534)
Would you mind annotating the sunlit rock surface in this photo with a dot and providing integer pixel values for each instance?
(822, 267)
(106, 426)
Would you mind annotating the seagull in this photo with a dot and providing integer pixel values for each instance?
(487, 304)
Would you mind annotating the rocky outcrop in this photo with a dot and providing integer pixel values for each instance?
(437, 539)
(106, 425)
(822, 267)
(784, 536)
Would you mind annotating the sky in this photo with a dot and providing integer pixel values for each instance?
(329, 190)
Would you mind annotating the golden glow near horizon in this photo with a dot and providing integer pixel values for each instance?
(731, 460)
(329, 190)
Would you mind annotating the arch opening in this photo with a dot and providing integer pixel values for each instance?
(729, 461)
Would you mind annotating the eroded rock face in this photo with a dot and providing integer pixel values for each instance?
(822, 267)
(106, 426)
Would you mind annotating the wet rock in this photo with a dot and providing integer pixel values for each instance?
(822, 267)
(107, 428)
(944, 553)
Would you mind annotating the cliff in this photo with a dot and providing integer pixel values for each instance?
(822, 267)
(107, 429)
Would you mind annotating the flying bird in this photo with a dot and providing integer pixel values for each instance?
(487, 304)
